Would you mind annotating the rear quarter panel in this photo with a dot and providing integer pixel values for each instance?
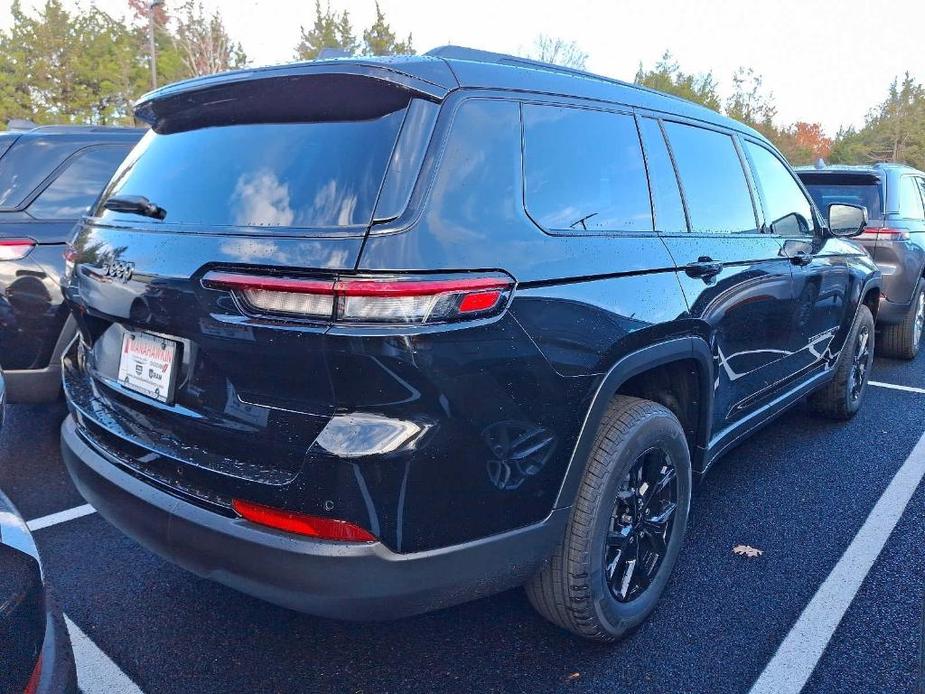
(32, 310)
(582, 301)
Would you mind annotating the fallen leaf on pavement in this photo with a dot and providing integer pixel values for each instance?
(747, 551)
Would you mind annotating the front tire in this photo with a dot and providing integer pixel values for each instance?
(903, 340)
(841, 397)
(626, 527)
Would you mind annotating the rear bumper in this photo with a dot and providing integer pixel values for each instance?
(891, 312)
(340, 580)
(34, 386)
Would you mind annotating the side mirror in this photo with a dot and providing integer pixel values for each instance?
(846, 220)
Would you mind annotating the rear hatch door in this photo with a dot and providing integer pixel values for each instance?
(278, 177)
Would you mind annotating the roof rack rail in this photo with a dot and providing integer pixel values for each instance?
(20, 124)
(64, 129)
(479, 56)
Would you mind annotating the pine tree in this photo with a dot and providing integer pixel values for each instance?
(56, 67)
(379, 39)
(328, 31)
(668, 77)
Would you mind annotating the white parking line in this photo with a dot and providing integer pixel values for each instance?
(796, 658)
(893, 386)
(60, 517)
(96, 673)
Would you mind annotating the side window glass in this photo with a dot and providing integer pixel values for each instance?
(910, 201)
(26, 164)
(920, 182)
(70, 195)
(666, 197)
(715, 189)
(584, 170)
(786, 208)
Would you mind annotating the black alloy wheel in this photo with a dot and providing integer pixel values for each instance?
(641, 524)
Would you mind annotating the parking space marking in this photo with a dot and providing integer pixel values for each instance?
(96, 673)
(797, 656)
(893, 386)
(60, 517)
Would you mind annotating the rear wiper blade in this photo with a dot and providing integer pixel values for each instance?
(582, 221)
(135, 204)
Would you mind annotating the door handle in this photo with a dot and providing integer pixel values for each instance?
(704, 268)
(801, 258)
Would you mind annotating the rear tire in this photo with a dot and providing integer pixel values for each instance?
(841, 397)
(626, 527)
(902, 341)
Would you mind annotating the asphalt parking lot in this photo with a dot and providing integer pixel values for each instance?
(800, 490)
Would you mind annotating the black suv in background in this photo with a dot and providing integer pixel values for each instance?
(370, 337)
(894, 196)
(49, 177)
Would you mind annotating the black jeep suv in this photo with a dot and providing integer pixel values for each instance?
(369, 337)
(49, 177)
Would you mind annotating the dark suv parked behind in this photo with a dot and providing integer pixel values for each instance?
(370, 337)
(49, 177)
(895, 238)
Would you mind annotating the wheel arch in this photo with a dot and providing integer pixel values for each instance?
(624, 370)
(870, 295)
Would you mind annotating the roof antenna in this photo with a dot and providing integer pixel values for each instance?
(820, 163)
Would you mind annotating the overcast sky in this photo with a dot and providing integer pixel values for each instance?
(824, 60)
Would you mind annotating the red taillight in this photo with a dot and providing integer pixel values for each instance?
(893, 234)
(268, 283)
(395, 300)
(15, 249)
(301, 523)
(32, 685)
(886, 234)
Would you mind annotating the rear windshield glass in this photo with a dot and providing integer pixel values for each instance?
(303, 175)
(864, 192)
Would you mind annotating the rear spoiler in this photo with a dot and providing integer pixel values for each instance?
(837, 178)
(293, 93)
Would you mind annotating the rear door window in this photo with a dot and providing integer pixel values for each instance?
(321, 174)
(666, 197)
(70, 195)
(910, 199)
(715, 188)
(786, 209)
(584, 170)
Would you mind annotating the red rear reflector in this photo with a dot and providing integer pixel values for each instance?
(482, 301)
(15, 249)
(301, 523)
